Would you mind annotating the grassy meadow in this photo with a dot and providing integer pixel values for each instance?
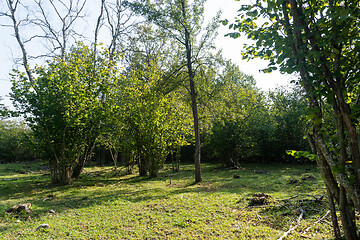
(108, 204)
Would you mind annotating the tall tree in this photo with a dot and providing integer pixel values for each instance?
(183, 22)
(320, 41)
(65, 110)
(55, 25)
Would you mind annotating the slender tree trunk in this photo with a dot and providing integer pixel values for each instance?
(197, 155)
(345, 115)
(12, 7)
(334, 219)
(347, 216)
(82, 161)
(78, 168)
(197, 133)
(116, 154)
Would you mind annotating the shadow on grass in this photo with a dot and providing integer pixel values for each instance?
(102, 187)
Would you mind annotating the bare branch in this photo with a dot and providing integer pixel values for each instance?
(34, 37)
(12, 8)
(292, 228)
(2, 14)
(67, 14)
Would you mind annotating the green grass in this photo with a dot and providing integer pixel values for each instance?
(104, 204)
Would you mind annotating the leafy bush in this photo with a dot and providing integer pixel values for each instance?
(16, 143)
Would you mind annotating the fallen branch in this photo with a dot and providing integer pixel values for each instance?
(260, 206)
(319, 220)
(292, 228)
(287, 199)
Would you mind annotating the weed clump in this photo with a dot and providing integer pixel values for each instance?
(259, 199)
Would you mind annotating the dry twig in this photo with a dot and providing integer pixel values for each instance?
(292, 228)
(319, 220)
(287, 199)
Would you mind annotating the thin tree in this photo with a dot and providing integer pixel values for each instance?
(183, 22)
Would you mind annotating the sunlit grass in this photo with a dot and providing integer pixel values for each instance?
(104, 204)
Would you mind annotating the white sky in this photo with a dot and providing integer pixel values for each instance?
(231, 50)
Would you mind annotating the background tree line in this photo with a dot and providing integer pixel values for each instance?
(242, 124)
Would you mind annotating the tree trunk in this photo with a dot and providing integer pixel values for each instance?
(78, 169)
(334, 219)
(197, 155)
(143, 167)
(347, 216)
(64, 174)
(12, 7)
(116, 154)
(82, 161)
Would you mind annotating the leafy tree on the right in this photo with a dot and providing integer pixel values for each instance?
(320, 42)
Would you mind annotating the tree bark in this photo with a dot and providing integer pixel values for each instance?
(334, 219)
(12, 9)
(347, 217)
(347, 193)
(143, 167)
(197, 156)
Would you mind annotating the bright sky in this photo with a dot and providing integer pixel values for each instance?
(231, 50)
(232, 47)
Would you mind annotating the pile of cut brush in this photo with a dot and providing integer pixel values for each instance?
(290, 206)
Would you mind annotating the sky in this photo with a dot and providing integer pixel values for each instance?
(231, 50)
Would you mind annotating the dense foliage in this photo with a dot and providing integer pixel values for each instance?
(16, 142)
(153, 123)
(65, 106)
(254, 126)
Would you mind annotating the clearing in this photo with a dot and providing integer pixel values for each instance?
(104, 204)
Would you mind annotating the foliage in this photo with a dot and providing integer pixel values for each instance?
(65, 106)
(288, 111)
(128, 206)
(16, 142)
(182, 21)
(320, 42)
(247, 124)
(238, 123)
(153, 122)
(4, 112)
